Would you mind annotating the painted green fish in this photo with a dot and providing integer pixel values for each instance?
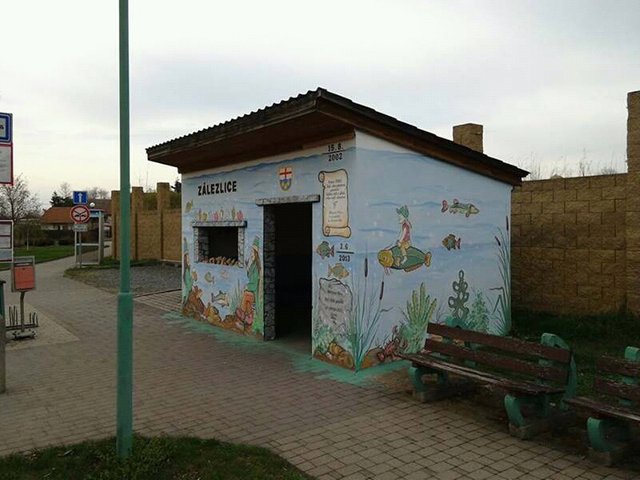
(324, 250)
(220, 298)
(208, 277)
(457, 207)
(393, 258)
(451, 242)
(338, 271)
(188, 206)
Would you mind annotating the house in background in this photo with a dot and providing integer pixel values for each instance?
(59, 218)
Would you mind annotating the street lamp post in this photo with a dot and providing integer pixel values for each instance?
(124, 421)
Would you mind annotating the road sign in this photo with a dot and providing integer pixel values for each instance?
(80, 198)
(81, 227)
(6, 128)
(80, 214)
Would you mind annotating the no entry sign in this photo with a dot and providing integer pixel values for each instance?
(80, 214)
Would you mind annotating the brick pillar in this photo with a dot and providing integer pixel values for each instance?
(115, 223)
(633, 206)
(469, 135)
(163, 201)
(137, 205)
(269, 279)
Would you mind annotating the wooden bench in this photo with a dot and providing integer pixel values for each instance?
(533, 375)
(615, 420)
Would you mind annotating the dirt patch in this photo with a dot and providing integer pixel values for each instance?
(144, 279)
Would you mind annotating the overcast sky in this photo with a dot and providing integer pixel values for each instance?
(547, 79)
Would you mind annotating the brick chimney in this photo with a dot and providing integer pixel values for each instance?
(633, 132)
(470, 135)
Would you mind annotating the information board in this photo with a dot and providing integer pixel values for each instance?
(6, 240)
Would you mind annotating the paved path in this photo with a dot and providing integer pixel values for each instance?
(194, 380)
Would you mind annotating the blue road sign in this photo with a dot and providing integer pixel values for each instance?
(80, 198)
(6, 128)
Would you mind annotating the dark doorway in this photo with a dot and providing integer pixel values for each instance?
(293, 249)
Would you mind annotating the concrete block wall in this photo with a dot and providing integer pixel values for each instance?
(576, 241)
(569, 245)
(633, 207)
(155, 234)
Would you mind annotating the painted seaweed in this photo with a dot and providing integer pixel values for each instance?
(502, 307)
(479, 316)
(418, 314)
(364, 321)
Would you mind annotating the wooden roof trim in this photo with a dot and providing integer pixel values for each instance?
(423, 142)
(185, 152)
(247, 123)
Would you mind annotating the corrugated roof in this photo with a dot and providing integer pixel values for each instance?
(290, 123)
(253, 116)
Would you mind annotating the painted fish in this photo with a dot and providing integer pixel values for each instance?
(338, 271)
(188, 206)
(451, 242)
(393, 258)
(208, 277)
(457, 207)
(220, 298)
(324, 250)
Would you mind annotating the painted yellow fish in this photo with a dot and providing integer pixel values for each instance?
(338, 271)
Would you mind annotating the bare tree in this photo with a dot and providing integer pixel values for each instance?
(65, 190)
(563, 170)
(584, 166)
(532, 165)
(98, 192)
(17, 202)
(609, 170)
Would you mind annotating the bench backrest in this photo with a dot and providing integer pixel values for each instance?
(620, 378)
(525, 359)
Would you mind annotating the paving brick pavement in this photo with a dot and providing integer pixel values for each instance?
(189, 382)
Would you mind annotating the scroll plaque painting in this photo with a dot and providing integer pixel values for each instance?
(335, 203)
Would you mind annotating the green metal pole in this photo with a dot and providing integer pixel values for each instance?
(124, 427)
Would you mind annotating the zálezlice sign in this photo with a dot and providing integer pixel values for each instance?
(6, 148)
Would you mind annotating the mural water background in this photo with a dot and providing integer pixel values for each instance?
(392, 194)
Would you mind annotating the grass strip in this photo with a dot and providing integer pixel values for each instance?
(588, 336)
(152, 458)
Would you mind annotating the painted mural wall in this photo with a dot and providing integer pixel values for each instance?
(429, 242)
(230, 294)
(399, 240)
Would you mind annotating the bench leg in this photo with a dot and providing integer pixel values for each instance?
(443, 388)
(420, 390)
(528, 415)
(609, 440)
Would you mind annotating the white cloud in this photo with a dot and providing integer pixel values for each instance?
(546, 78)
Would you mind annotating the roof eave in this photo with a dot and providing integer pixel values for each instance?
(409, 136)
